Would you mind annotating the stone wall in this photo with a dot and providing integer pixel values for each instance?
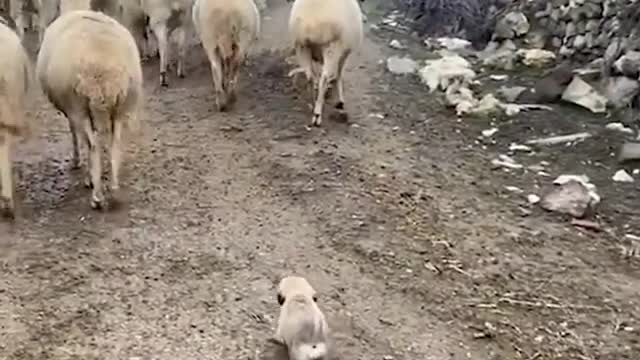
(580, 29)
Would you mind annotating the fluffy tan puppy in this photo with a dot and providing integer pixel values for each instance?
(302, 327)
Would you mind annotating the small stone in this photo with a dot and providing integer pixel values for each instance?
(622, 176)
(395, 44)
(570, 198)
(401, 66)
(533, 199)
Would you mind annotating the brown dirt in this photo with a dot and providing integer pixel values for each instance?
(410, 237)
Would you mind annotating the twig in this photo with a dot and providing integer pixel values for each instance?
(538, 304)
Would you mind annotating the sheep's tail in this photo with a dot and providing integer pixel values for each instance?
(104, 87)
(317, 33)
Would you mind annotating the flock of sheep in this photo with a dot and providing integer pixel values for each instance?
(89, 63)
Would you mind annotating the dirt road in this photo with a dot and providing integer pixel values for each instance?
(396, 218)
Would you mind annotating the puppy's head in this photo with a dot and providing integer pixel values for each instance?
(295, 285)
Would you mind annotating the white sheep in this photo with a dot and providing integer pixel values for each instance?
(15, 78)
(89, 68)
(47, 11)
(227, 30)
(162, 17)
(324, 34)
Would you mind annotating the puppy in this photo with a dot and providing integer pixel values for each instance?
(302, 327)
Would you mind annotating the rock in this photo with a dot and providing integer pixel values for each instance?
(570, 30)
(580, 42)
(629, 152)
(536, 39)
(622, 176)
(613, 51)
(616, 126)
(570, 198)
(395, 44)
(592, 25)
(510, 93)
(550, 87)
(502, 57)
(442, 72)
(628, 64)
(401, 66)
(581, 93)
(536, 57)
(452, 43)
(556, 42)
(533, 199)
(620, 90)
(512, 25)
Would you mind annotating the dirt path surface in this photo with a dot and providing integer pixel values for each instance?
(416, 248)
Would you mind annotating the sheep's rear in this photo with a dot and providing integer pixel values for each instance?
(227, 31)
(89, 67)
(14, 85)
(324, 33)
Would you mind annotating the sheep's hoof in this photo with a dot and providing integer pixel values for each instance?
(6, 208)
(316, 120)
(97, 202)
(88, 183)
(164, 82)
(340, 105)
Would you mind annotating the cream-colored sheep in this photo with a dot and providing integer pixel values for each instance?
(324, 34)
(302, 327)
(89, 68)
(15, 78)
(162, 17)
(227, 30)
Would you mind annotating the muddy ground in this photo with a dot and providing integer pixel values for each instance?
(416, 248)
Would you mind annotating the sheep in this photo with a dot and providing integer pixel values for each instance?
(302, 327)
(227, 31)
(163, 17)
(18, 10)
(15, 79)
(89, 68)
(324, 34)
(47, 11)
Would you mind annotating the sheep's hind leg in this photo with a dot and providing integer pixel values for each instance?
(182, 50)
(75, 160)
(95, 165)
(160, 31)
(116, 156)
(329, 70)
(6, 180)
(339, 82)
(216, 77)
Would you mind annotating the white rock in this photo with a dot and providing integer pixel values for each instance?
(489, 132)
(622, 176)
(582, 179)
(452, 43)
(616, 126)
(571, 198)
(514, 189)
(401, 66)
(396, 44)
(581, 93)
(620, 90)
(440, 73)
(498, 77)
(536, 57)
(533, 199)
(519, 147)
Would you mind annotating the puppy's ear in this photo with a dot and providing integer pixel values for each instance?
(280, 299)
